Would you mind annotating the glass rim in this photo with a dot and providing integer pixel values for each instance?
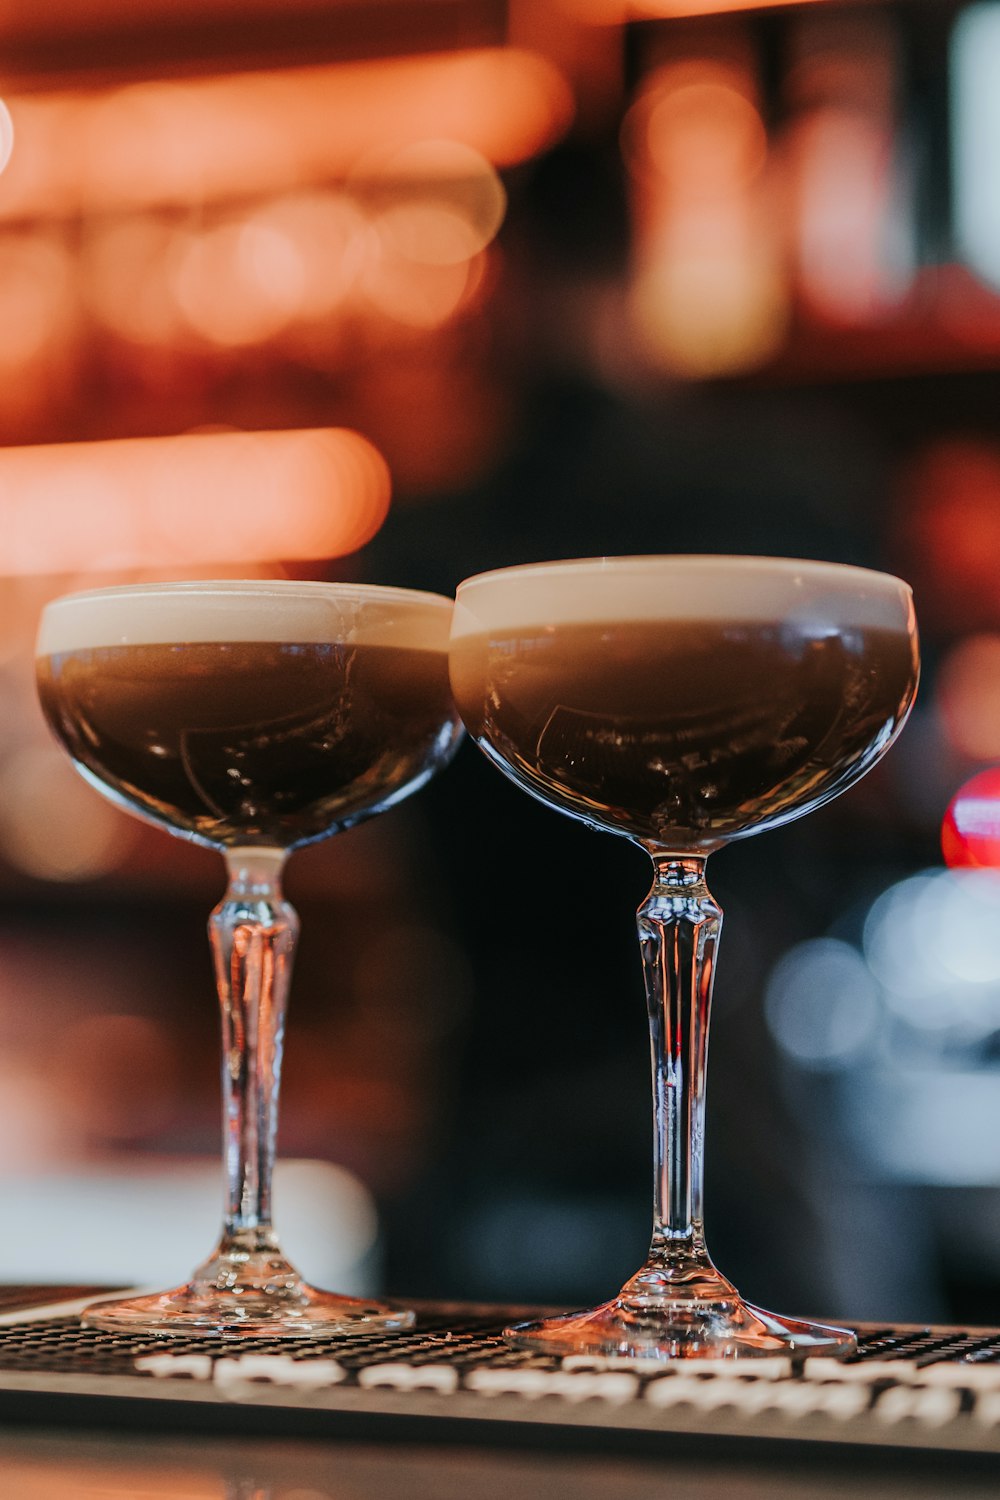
(686, 561)
(376, 592)
(231, 610)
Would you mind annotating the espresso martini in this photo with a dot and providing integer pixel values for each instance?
(249, 718)
(253, 717)
(690, 729)
(682, 702)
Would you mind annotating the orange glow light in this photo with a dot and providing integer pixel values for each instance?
(240, 283)
(950, 532)
(36, 297)
(49, 1476)
(619, 12)
(705, 135)
(707, 296)
(850, 227)
(6, 135)
(127, 268)
(420, 296)
(969, 696)
(216, 139)
(51, 825)
(173, 502)
(331, 239)
(435, 201)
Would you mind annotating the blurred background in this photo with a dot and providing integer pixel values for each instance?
(399, 290)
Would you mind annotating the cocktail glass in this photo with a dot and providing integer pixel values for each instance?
(682, 702)
(254, 718)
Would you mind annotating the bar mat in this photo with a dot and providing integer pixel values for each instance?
(452, 1379)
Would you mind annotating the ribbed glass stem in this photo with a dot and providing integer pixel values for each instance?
(253, 933)
(679, 927)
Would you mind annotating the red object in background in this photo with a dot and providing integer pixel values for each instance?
(947, 531)
(970, 834)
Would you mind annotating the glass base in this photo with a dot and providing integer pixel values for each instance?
(664, 1330)
(247, 1295)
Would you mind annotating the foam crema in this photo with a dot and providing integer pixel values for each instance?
(235, 611)
(616, 589)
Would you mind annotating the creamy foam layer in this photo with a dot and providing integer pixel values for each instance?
(680, 588)
(230, 611)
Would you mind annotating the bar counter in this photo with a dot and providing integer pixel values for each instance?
(447, 1410)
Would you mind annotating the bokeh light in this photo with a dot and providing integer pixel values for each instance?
(200, 498)
(240, 283)
(420, 296)
(52, 825)
(144, 145)
(618, 12)
(117, 1075)
(968, 696)
(435, 201)
(429, 233)
(705, 134)
(975, 57)
(931, 942)
(821, 1003)
(847, 175)
(126, 277)
(948, 529)
(708, 295)
(37, 297)
(6, 135)
(893, 934)
(33, 1476)
(331, 239)
(922, 986)
(845, 207)
(970, 834)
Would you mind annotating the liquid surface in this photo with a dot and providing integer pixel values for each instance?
(269, 743)
(684, 733)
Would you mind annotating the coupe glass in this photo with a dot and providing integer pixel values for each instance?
(252, 717)
(682, 702)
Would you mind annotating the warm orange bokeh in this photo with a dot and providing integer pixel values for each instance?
(223, 139)
(708, 294)
(852, 238)
(968, 696)
(232, 497)
(619, 12)
(54, 1477)
(151, 233)
(948, 532)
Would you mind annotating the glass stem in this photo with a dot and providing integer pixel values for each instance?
(679, 926)
(253, 932)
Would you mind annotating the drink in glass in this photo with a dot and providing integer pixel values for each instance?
(682, 702)
(254, 718)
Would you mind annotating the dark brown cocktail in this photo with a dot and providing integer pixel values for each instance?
(252, 742)
(682, 702)
(693, 731)
(253, 717)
